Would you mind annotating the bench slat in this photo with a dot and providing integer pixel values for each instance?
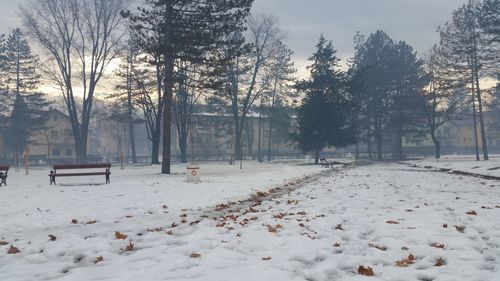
(4, 168)
(78, 174)
(81, 166)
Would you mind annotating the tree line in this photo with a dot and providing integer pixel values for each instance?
(175, 54)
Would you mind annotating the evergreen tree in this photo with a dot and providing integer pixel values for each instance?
(23, 79)
(184, 29)
(323, 116)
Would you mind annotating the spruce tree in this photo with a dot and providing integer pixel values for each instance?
(324, 115)
(23, 79)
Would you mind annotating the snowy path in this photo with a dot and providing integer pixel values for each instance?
(401, 222)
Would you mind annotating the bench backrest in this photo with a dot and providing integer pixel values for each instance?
(81, 166)
(4, 168)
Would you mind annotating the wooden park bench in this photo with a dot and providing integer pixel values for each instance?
(3, 175)
(53, 173)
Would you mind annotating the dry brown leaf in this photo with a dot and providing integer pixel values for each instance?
(273, 229)
(120, 235)
(368, 271)
(445, 225)
(13, 250)
(279, 216)
(380, 247)
(99, 259)
(302, 225)
(400, 264)
(472, 213)
(336, 245)
(91, 222)
(302, 213)
(170, 232)
(173, 224)
(438, 245)
(460, 228)
(405, 248)
(130, 247)
(74, 221)
(195, 255)
(339, 227)
(266, 258)
(221, 224)
(3, 243)
(440, 262)
(52, 237)
(392, 222)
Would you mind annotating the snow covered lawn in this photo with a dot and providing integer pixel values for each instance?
(401, 223)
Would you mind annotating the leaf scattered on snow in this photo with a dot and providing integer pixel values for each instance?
(195, 255)
(336, 245)
(74, 221)
(13, 250)
(120, 235)
(440, 262)
(99, 259)
(91, 222)
(460, 228)
(438, 245)
(445, 225)
(130, 247)
(380, 247)
(406, 261)
(266, 258)
(339, 227)
(273, 229)
(3, 243)
(52, 237)
(472, 213)
(368, 271)
(392, 222)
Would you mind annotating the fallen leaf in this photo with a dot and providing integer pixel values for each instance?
(406, 261)
(336, 245)
(445, 225)
(405, 248)
(173, 225)
(368, 271)
(302, 225)
(400, 264)
(392, 222)
(52, 237)
(440, 262)
(99, 259)
(460, 228)
(120, 235)
(129, 216)
(438, 245)
(472, 213)
(74, 221)
(279, 216)
(380, 247)
(195, 255)
(3, 243)
(339, 227)
(273, 229)
(221, 224)
(13, 250)
(130, 247)
(91, 222)
(266, 258)
(164, 206)
(301, 213)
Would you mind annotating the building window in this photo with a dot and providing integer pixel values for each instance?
(69, 152)
(56, 152)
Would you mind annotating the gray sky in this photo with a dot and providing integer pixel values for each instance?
(414, 21)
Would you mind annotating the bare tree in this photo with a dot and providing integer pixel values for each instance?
(81, 38)
(246, 80)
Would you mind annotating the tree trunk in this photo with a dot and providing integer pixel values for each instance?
(259, 142)
(316, 157)
(369, 138)
(476, 142)
(155, 148)
(183, 147)
(437, 146)
(130, 116)
(378, 139)
(169, 85)
(481, 119)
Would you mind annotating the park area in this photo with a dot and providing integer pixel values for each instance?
(276, 221)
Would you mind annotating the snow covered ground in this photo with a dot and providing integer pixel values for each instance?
(463, 163)
(404, 223)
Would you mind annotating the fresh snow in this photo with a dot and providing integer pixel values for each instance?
(268, 222)
(463, 163)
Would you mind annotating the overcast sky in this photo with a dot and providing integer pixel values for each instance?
(414, 21)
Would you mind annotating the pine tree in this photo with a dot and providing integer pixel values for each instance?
(23, 79)
(323, 116)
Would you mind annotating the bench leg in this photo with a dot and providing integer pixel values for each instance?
(52, 180)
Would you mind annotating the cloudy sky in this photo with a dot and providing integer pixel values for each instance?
(414, 21)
